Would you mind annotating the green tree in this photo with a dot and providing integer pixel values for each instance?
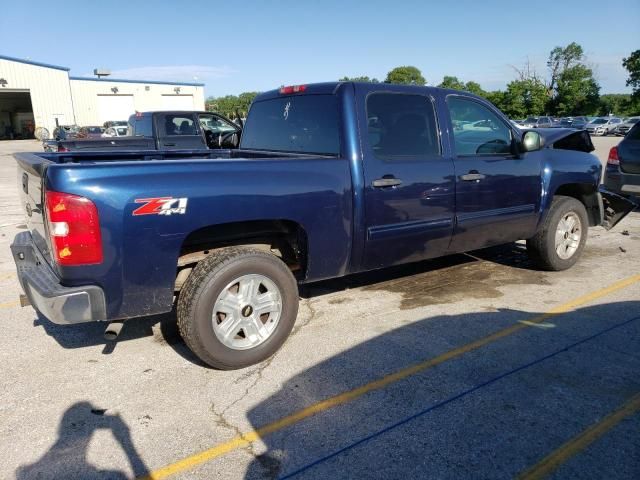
(572, 88)
(452, 83)
(577, 92)
(359, 79)
(407, 75)
(524, 97)
(497, 97)
(621, 104)
(632, 64)
(230, 104)
(475, 88)
(561, 59)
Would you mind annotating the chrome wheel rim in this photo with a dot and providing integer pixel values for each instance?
(247, 312)
(568, 235)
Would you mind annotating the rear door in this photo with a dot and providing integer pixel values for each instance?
(178, 131)
(409, 183)
(497, 191)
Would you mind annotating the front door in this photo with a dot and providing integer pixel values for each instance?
(409, 184)
(497, 191)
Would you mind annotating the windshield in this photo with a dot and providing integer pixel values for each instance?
(305, 124)
(215, 124)
(122, 130)
(599, 121)
(531, 120)
(633, 120)
(94, 130)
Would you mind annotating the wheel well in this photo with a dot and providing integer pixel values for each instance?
(283, 238)
(587, 194)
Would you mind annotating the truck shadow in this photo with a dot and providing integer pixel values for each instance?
(164, 330)
(67, 457)
(468, 441)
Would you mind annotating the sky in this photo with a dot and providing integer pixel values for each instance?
(233, 47)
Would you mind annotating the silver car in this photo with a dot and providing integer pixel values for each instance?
(603, 125)
(627, 125)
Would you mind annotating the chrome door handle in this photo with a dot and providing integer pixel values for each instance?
(472, 177)
(386, 182)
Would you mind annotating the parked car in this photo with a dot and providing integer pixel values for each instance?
(90, 132)
(115, 123)
(626, 125)
(622, 174)
(537, 122)
(116, 132)
(571, 122)
(167, 130)
(330, 179)
(603, 125)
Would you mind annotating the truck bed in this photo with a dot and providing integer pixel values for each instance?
(309, 194)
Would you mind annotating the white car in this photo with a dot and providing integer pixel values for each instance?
(603, 125)
(118, 131)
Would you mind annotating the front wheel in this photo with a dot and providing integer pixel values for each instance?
(237, 307)
(561, 238)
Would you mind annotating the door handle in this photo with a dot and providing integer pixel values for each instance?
(472, 176)
(387, 182)
(169, 144)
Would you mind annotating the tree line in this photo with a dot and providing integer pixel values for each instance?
(569, 88)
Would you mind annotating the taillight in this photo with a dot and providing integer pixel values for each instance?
(292, 89)
(62, 148)
(613, 156)
(74, 228)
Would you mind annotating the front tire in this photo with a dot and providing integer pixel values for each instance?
(237, 307)
(562, 236)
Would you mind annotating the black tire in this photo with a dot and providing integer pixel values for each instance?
(201, 289)
(541, 247)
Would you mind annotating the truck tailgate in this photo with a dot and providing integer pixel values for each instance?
(31, 169)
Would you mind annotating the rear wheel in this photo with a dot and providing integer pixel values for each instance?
(561, 238)
(237, 307)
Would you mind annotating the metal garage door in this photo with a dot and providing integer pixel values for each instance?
(177, 102)
(115, 107)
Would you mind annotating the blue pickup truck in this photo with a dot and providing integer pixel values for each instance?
(330, 179)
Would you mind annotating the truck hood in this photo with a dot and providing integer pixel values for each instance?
(567, 139)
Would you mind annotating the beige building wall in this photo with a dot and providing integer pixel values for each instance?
(96, 101)
(49, 88)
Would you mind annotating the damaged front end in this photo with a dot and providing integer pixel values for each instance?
(614, 207)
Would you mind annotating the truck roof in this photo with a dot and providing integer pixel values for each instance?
(331, 88)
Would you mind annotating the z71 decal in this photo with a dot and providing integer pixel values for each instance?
(161, 206)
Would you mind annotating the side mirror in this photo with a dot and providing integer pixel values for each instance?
(532, 141)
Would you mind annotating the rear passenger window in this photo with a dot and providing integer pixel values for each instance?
(476, 129)
(178, 125)
(401, 125)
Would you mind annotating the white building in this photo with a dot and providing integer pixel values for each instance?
(34, 94)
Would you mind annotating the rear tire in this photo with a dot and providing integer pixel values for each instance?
(562, 236)
(236, 285)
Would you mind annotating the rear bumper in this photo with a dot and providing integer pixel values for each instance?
(620, 182)
(60, 304)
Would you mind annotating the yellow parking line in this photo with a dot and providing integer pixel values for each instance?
(578, 443)
(245, 439)
(7, 275)
(13, 303)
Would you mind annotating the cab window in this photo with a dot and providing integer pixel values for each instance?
(476, 129)
(401, 125)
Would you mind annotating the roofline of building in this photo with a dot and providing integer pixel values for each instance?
(152, 82)
(31, 62)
